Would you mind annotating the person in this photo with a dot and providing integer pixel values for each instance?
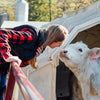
(23, 44)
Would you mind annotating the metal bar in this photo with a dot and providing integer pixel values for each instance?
(10, 86)
(28, 91)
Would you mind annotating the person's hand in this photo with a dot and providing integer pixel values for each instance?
(39, 50)
(14, 59)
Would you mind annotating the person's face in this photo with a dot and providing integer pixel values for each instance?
(55, 44)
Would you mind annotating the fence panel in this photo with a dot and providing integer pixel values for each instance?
(28, 91)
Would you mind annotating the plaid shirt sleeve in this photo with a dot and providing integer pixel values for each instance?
(6, 36)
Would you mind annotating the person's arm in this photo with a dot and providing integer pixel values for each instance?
(4, 46)
(15, 37)
(5, 52)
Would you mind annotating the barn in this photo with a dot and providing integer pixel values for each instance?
(83, 25)
(52, 78)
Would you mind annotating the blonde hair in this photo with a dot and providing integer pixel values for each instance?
(55, 33)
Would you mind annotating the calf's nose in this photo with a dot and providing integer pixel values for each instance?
(65, 51)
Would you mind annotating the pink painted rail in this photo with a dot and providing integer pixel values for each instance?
(28, 91)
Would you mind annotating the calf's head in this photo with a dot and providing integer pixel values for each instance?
(77, 53)
(74, 54)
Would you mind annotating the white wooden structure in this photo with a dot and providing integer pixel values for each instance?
(12, 24)
(83, 24)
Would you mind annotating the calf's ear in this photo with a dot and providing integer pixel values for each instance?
(94, 51)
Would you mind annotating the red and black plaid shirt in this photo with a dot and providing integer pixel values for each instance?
(26, 35)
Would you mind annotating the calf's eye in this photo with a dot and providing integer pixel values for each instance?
(65, 51)
(80, 50)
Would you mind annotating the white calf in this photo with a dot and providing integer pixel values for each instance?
(77, 58)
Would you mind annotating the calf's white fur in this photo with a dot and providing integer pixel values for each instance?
(77, 58)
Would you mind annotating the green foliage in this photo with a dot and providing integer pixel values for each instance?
(8, 6)
(95, 0)
(42, 10)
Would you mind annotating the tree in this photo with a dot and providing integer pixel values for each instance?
(42, 10)
(8, 7)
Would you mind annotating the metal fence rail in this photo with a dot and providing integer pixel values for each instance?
(28, 91)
